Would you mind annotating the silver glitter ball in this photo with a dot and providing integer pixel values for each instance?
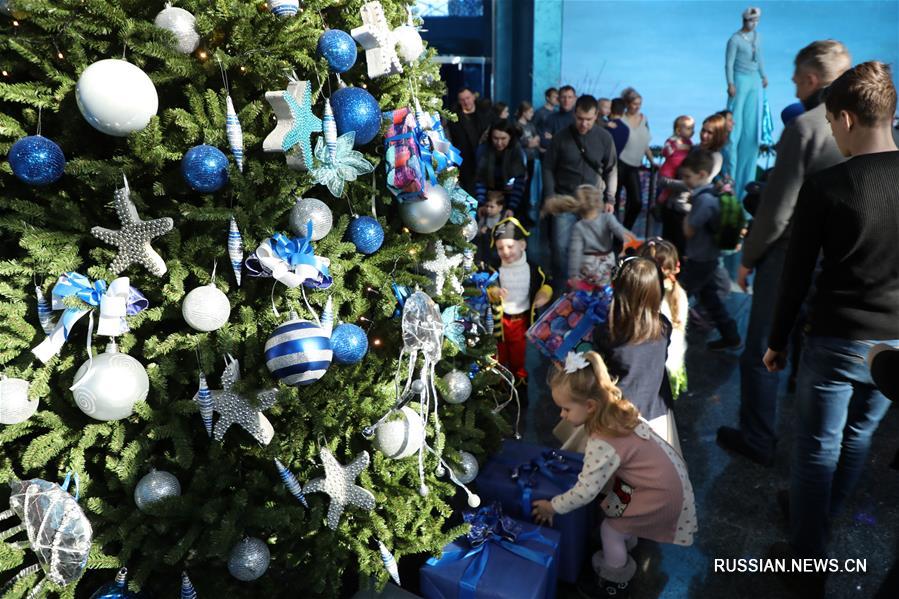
(470, 230)
(249, 559)
(183, 26)
(469, 468)
(307, 209)
(458, 386)
(15, 407)
(154, 487)
(430, 214)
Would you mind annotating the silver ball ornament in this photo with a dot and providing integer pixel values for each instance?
(430, 214)
(400, 438)
(469, 468)
(310, 209)
(458, 387)
(15, 406)
(470, 230)
(409, 45)
(114, 384)
(206, 308)
(182, 25)
(249, 559)
(418, 387)
(154, 487)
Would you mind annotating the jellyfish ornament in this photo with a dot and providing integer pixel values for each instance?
(58, 532)
(422, 337)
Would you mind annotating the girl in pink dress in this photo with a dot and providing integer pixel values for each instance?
(648, 491)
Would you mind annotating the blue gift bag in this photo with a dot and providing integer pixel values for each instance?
(500, 558)
(521, 473)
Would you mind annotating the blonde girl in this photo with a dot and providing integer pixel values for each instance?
(591, 255)
(649, 493)
(675, 307)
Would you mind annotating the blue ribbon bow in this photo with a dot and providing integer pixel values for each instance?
(291, 260)
(490, 529)
(401, 293)
(550, 464)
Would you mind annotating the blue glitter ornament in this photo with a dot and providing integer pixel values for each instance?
(205, 168)
(366, 234)
(117, 589)
(356, 110)
(349, 344)
(37, 160)
(338, 48)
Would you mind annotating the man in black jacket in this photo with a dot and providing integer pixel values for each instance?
(581, 153)
(466, 134)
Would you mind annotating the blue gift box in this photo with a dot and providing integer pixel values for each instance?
(518, 560)
(521, 473)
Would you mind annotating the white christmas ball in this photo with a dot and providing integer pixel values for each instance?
(430, 214)
(154, 487)
(401, 438)
(470, 230)
(14, 404)
(310, 209)
(114, 383)
(469, 470)
(182, 24)
(206, 308)
(116, 97)
(409, 45)
(458, 386)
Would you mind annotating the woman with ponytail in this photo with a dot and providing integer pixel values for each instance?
(650, 493)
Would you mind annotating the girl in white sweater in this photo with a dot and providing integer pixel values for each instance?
(675, 307)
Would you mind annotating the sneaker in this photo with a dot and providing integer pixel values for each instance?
(731, 439)
(724, 344)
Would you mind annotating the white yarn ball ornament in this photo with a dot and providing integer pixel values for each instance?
(409, 45)
(401, 438)
(15, 406)
(116, 97)
(114, 383)
(206, 308)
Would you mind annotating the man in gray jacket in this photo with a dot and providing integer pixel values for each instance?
(806, 146)
(580, 153)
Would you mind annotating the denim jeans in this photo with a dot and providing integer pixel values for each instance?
(562, 224)
(758, 387)
(838, 409)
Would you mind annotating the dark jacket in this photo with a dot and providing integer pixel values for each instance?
(512, 183)
(564, 168)
(467, 141)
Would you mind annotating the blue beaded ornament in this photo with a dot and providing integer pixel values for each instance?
(356, 110)
(37, 160)
(205, 168)
(338, 48)
(366, 234)
(349, 344)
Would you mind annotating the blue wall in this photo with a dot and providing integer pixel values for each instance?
(673, 52)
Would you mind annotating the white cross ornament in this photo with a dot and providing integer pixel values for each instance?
(442, 267)
(376, 37)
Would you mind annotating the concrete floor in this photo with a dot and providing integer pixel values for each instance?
(738, 512)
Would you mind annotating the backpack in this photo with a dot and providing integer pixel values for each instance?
(731, 222)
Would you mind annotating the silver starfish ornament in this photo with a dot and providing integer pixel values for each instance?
(340, 485)
(133, 239)
(233, 408)
(442, 266)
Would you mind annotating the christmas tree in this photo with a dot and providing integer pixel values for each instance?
(66, 237)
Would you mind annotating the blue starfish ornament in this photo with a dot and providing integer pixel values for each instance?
(296, 123)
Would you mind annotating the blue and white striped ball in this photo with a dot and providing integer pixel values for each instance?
(298, 352)
(284, 8)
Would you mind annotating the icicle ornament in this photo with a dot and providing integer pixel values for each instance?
(44, 311)
(187, 587)
(235, 249)
(329, 125)
(234, 132)
(290, 481)
(204, 398)
(389, 563)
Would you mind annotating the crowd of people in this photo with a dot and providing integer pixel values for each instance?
(819, 255)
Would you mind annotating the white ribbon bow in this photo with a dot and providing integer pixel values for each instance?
(575, 361)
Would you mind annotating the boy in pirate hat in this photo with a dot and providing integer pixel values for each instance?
(522, 290)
